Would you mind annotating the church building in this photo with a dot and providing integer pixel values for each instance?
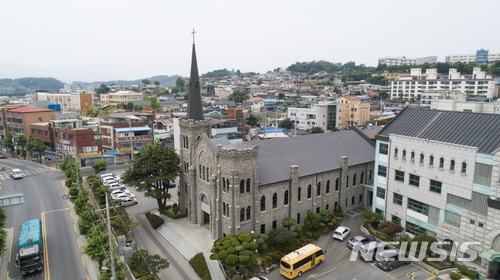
(233, 187)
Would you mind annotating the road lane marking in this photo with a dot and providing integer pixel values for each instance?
(320, 274)
(64, 209)
(78, 241)
(11, 241)
(74, 227)
(83, 261)
(46, 275)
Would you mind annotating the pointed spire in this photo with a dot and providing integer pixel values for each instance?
(195, 108)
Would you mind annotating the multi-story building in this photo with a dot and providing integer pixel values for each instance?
(119, 97)
(16, 119)
(75, 101)
(458, 101)
(408, 61)
(481, 56)
(438, 173)
(326, 116)
(233, 187)
(417, 83)
(125, 134)
(354, 112)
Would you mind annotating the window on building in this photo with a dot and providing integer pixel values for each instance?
(414, 229)
(337, 185)
(441, 163)
(354, 180)
(242, 215)
(298, 218)
(299, 194)
(318, 189)
(275, 223)
(382, 171)
(396, 153)
(412, 157)
(248, 185)
(414, 180)
(249, 213)
(309, 191)
(328, 186)
(399, 176)
(435, 186)
(421, 158)
(285, 198)
(223, 209)
(404, 154)
(263, 203)
(383, 148)
(360, 198)
(347, 182)
(396, 219)
(263, 228)
(242, 186)
(275, 201)
(370, 175)
(464, 167)
(397, 199)
(362, 177)
(431, 161)
(452, 165)
(418, 206)
(353, 200)
(381, 193)
(478, 260)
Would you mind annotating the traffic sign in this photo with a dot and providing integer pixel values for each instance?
(65, 196)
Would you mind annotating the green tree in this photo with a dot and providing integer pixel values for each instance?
(157, 83)
(312, 219)
(155, 263)
(252, 120)
(120, 271)
(390, 228)
(97, 245)
(153, 172)
(9, 142)
(21, 144)
(87, 220)
(280, 236)
(154, 103)
(180, 84)
(100, 166)
(146, 82)
(286, 123)
(102, 89)
(238, 96)
(35, 144)
(317, 129)
(370, 215)
(288, 222)
(3, 233)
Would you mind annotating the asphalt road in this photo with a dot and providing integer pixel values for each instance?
(42, 191)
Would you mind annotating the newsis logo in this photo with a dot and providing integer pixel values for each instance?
(374, 251)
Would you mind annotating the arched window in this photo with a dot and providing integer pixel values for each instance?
(263, 203)
(396, 152)
(275, 201)
(204, 173)
(404, 156)
(362, 178)
(337, 185)
(227, 185)
(299, 194)
(248, 185)
(223, 208)
(347, 183)
(354, 180)
(441, 163)
(224, 189)
(249, 215)
(464, 167)
(412, 158)
(201, 172)
(452, 165)
(242, 186)
(421, 158)
(208, 174)
(285, 198)
(242, 215)
(431, 161)
(309, 191)
(328, 186)
(318, 189)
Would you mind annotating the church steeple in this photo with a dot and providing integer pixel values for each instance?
(195, 107)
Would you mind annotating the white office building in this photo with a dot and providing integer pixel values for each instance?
(326, 116)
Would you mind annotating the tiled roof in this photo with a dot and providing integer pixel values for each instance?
(462, 128)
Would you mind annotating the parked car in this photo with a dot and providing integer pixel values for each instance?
(107, 180)
(341, 232)
(129, 202)
(389, 259)
(368, 251)
(3, 155)
(104, 175)
(359, 239)
(122, 191)
(259, 278)
(116, 186)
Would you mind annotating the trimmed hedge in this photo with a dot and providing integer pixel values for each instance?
(200, 266)
(155, 220)
(174, 216)
(455, 276)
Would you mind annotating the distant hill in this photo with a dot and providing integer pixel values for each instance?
(23, 86)
(164, 81)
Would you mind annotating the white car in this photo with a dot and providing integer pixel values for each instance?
(129, 201)
(116, 186)
(121, 193)
(121, 196)
(105, 175)
(341, 232)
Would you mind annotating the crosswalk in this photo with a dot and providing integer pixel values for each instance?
(5, 175)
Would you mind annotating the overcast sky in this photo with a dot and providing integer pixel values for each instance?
(135, 39)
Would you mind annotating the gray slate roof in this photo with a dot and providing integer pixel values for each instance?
(462, 128)
(313, 154)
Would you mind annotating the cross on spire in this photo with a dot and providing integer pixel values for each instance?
(193, 35)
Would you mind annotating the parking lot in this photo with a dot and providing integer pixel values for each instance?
(405, 272)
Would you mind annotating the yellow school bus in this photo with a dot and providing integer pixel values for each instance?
(301, 260)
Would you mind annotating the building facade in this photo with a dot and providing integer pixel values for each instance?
(233, 187)
(407, 87)
(354, 112)
(481, 56)
(120, 97)
(326, 116)
(75, 101)
(401, 60)
(434, 177)
(16, 119)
